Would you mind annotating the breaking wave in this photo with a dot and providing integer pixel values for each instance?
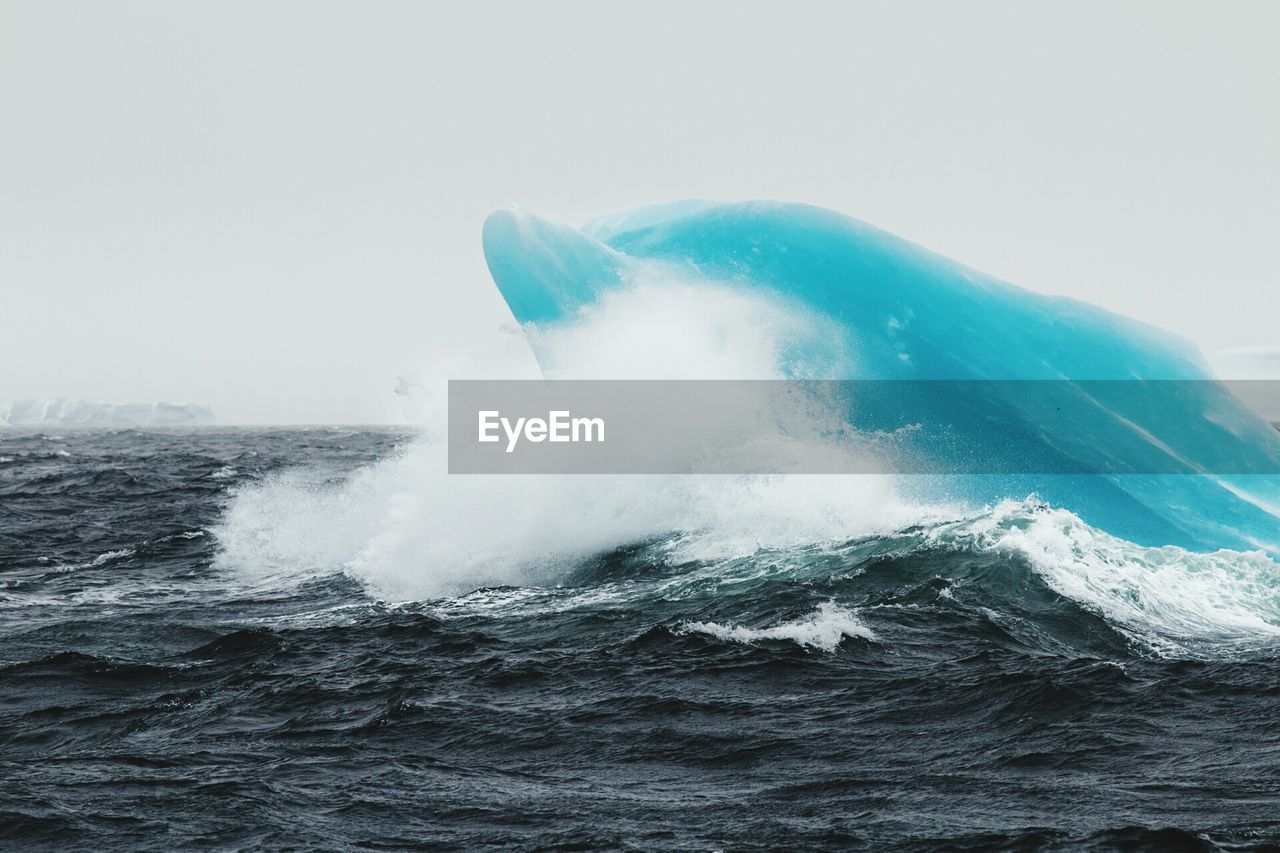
(824, 629)
(409, 531)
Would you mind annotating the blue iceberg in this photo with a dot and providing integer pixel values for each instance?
(909, 314)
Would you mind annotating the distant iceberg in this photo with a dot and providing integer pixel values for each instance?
(57, 411)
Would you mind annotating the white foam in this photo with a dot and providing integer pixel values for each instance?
(411, 531)
(823, 629)
(1174, 600)
(100, 560)
(665, 329)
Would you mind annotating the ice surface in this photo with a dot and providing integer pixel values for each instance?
(906, 313)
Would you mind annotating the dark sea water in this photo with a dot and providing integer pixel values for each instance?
(876, 695)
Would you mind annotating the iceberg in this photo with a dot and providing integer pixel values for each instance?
(62, 412)
(906, 313)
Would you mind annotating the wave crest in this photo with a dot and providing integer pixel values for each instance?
(824, 629)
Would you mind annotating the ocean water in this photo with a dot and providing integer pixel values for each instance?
(319, 639)
(233, 638)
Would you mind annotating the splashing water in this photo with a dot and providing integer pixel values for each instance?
(823, 629)
(410, 530)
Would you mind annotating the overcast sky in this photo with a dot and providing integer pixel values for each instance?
(274, 208)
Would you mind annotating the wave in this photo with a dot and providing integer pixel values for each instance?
(1168, 601)
(409, 531)
(824, 629)
(1172, 600)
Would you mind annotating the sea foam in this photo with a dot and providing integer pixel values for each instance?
(824, 629)
(410, 530)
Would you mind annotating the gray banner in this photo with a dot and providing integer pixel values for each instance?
(862, 426)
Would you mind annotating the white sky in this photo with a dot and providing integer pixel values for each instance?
(274, 208)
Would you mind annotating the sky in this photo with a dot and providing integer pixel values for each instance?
(274, 208)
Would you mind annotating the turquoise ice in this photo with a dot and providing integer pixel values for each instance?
(909, 314)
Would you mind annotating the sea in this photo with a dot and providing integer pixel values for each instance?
(309, 638)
